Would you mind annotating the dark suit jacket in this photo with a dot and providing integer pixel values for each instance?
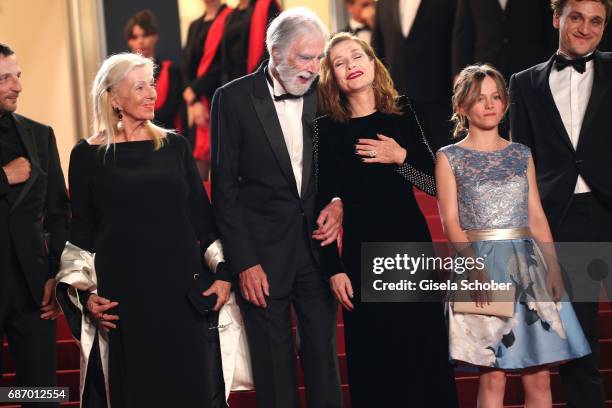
(511, 40)
(536, 122)
(420, 64)
(255, 200)
(38, 218)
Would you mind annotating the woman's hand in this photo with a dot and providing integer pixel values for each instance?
(329, 222)
(342, 289)
(384, 150)
(189, 96)
(50, 310)
(97, 306)
(201, 116)
(481, 297)
(222, 290)
(554, 283)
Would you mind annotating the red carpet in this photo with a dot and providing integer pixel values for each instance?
(68, 355)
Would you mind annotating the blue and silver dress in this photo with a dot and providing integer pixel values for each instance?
(492, 194)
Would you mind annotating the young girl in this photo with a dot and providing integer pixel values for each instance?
(488, 200)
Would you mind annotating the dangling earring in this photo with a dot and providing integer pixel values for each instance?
(120, 117)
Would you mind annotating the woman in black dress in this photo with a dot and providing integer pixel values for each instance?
(371, 152)
(139, 205)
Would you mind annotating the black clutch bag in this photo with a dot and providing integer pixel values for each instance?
(203, 304)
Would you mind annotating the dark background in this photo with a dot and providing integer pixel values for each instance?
(118, 12)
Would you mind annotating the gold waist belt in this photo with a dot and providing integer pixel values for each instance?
(498, 234)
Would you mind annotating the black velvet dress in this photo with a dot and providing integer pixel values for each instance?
(142, 212)
(397, 353)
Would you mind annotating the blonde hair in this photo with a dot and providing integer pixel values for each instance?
(112, 71)
(467, 89)
(334, 103)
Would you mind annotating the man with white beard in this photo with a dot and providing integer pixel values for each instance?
(263, 194)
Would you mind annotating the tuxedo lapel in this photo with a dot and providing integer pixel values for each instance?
(418, 19)
(393, 12)
(309, 111)
(262, 101)
(27, 138)
(542, 87)
(601, 85)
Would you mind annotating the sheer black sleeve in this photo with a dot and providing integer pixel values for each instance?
(418, 168)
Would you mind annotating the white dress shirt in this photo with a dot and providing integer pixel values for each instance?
(571, 91)
(407, 13)
(503, 4)
(364, 33)
(289, 113)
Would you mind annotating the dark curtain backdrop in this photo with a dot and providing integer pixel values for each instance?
(117, 13)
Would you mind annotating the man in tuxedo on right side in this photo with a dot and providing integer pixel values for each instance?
(561, 109)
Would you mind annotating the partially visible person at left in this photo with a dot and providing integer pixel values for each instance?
(142, 33)
(33, 206)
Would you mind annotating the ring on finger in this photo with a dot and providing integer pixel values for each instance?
(372, 153)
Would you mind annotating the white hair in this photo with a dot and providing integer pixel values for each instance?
(287, 24)
(112, 71)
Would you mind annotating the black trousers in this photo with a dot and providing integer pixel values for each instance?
(272, 346)
(587, 220)
(31, 340)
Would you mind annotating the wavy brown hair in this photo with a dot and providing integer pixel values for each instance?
(467, 89)
(334, 103)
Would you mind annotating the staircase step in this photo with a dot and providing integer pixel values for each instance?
(605, 324)
(246, 399)
(467, 388)
(560, 405)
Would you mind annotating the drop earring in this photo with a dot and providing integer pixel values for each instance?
(120, 117)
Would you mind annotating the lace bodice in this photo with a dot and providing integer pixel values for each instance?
(492, 187)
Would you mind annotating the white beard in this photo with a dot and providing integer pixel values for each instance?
(289, 78)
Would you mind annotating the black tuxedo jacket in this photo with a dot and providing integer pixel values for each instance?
(38, 217)
(256, 203)
(420, 64)
(512, 39)
(536, 122)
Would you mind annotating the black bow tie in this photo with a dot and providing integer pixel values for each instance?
(282, 97)
(361, 29)
(579, 64)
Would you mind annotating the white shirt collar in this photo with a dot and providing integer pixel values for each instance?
(276, 89)
(355, 25)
